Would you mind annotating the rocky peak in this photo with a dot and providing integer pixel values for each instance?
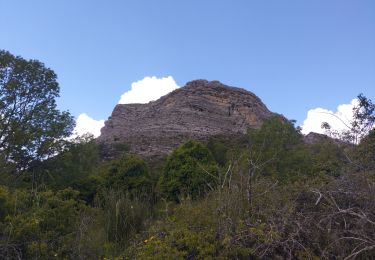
(313, 138)
(198, 110)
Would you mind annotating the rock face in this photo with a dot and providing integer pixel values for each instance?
(198, 111)
(313, 138)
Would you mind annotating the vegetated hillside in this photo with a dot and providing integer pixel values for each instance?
(199, 110)
(270, 194)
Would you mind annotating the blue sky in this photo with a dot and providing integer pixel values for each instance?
(295, 55)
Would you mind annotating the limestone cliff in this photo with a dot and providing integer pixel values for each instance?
(199, 110)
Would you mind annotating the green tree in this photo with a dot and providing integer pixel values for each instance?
(277, 150)
(364, 153)
(75, 167)
(218, 149)
(31, 127)
(190, 170)
(328, 157)
(129, 173)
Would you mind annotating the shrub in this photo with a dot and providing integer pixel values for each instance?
(190, 171)
(129, 173)
(364, 153)
(277, 150)
(45, 225)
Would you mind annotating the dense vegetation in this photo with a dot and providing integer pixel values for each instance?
(264, 195)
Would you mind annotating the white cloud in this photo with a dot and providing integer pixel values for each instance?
(337, 119)
(86, 124)
(148, 89)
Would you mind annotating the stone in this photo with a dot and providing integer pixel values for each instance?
(199, 110)
(314, 138)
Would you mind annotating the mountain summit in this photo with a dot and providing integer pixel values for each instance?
(199, 110)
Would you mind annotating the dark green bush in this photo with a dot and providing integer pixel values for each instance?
(190, 171)
(129, 173)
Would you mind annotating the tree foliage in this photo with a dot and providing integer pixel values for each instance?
(128, 173)
(75, 167)
(189, 171)
(328, 158)
(277, 150)
(218, 149)
(364, 153)
(359, 126)
(31, 127)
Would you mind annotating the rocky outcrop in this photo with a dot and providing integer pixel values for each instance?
(199, 110)
(314, 138)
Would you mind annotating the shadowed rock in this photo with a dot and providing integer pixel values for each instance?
(315, 138)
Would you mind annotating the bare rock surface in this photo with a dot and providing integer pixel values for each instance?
(313, 138)
(198, 110)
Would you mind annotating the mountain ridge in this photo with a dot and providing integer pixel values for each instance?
(199, 110)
